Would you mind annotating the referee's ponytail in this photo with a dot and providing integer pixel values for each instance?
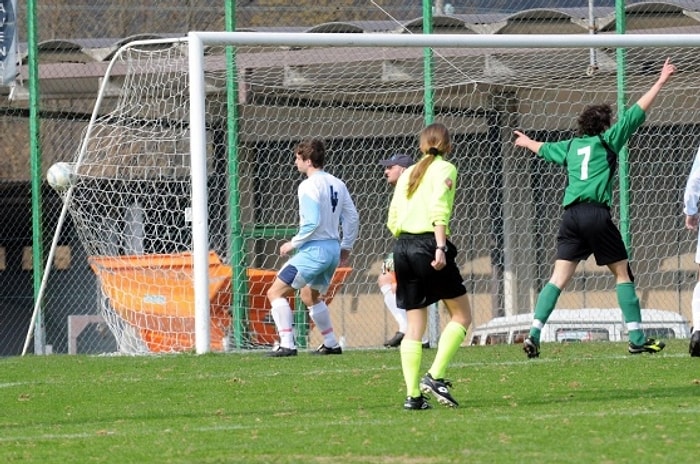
(434, 141)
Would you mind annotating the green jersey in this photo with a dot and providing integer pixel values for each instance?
(590, 166)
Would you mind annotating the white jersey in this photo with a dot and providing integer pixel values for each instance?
(692, 188)
(325, 206)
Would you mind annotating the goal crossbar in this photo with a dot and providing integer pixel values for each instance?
(297, 39)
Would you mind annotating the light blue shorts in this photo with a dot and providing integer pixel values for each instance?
(313, 265)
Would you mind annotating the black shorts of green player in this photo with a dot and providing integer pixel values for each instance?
(587, 228)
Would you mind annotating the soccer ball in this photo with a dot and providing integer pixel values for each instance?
(60, 176)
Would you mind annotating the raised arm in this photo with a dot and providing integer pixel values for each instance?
(524, 141)
(646, 100)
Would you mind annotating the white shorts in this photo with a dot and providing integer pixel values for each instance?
(313, 264)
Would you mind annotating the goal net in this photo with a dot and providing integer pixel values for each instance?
(182, 202)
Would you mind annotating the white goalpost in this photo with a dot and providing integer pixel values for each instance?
(184, 183)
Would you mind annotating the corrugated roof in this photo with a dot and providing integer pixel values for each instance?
(64, 62)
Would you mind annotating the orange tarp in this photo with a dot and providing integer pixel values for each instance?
(261, 322)
(154, 293)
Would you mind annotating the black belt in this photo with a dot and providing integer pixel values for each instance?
(406, 235)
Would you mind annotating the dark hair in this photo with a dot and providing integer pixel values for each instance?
(312, 149)
(594, 119)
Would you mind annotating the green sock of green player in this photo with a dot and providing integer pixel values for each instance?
(451, 339)
(629, 304)
(546, 301)
(411, 354)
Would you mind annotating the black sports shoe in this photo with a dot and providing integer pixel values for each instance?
(394, 341)
(323, 349)
(531, 348)
(416, 403)
(438, 388)
(282, 352)
(426, 345)
(651, 345)
(694, 348)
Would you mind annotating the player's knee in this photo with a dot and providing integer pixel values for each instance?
(278, 289)
(273, 294)
(309, 296)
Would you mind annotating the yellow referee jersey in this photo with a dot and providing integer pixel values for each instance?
(431, 203)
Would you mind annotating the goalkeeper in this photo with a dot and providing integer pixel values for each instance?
(586, 226)
(393, 168)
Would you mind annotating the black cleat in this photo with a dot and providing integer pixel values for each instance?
(438, 388)
(694, 348)
(416, 403)
(531, 348)
(651, 345)
(394, 341)
(282, 352)
(323, 350)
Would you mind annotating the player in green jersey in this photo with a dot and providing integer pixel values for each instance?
(586, 226)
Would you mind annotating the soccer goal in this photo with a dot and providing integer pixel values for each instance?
(184, 186)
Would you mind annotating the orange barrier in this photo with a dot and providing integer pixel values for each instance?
(263, 330)
(154, 293)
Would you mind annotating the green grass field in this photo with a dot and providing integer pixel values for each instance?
(579, 403)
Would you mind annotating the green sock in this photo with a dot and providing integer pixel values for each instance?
(451, 338)
(546, 301)
(629, 304)
(411, 354)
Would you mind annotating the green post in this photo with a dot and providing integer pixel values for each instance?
(428, 111)
(301, 322)
(35, 173)
(239, 283)
(623, 156)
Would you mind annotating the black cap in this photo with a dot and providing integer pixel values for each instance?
(397, 159)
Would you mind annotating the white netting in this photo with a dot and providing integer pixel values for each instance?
(132, 195)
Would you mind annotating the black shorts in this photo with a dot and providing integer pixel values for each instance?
(418, 284)
(587, 228)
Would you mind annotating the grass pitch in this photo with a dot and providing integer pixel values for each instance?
(578, 403)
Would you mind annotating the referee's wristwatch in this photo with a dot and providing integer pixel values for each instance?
(443, 248)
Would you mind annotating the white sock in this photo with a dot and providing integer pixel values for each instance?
(322, 318)
(398, 313)
(282, 314)
(695, 305)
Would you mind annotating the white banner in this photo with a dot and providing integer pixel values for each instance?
(8, 41)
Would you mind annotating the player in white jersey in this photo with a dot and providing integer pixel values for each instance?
(325, 208)
(690, 208)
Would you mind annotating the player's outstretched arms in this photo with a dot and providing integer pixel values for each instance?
(522, 140)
